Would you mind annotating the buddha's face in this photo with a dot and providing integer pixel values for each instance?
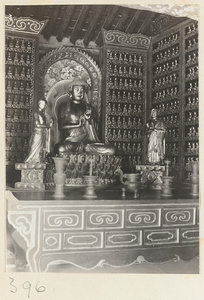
(78, 92)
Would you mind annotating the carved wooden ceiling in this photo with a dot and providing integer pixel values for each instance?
(84, 22)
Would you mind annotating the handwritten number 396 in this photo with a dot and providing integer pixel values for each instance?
(26, 286)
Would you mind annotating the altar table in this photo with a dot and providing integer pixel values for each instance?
(110, 230)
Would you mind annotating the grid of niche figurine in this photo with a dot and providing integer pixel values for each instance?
(124, 104)
(191, 98)
(19, 81)
(166, 92)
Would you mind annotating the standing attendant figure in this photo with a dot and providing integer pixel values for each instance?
(155, 131)
(39, 143)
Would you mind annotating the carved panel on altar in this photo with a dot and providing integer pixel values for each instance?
(175, 217)
(83, 240)
(143, 218)
(62, 220)
(52, 241)
(105, 219)
(161, 237)
(123, 239)
(189, 235)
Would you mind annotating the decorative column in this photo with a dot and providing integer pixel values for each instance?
(59, 177)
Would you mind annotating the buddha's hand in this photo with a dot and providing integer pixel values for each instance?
(87, 113)
(51, 123)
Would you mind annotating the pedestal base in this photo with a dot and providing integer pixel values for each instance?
(78, 166)
(167, 186)
(32, 175)
(195, 190)
(90, 190)
(151, 176)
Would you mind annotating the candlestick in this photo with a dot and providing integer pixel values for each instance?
(91, 167)
(167, 162)
(90, 190)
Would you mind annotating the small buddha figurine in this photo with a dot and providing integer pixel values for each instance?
(124, 148)
(119, 124)
(119, 137)
(115, 72)
(28, 46)
(130, 59)
(134, 97)
(129, 96)
(125, 71)
(15, 86)
(124, 125)
(125, 110)
(129, 122)
(195, 117)
(113, 122)
(129, 137)
(109, 134)
(113, 109)
(15, 115)
(113, 96)
(119, 111)
(119, 149)
(135, 58)
(134, 123)
(114, 135)
(126, 85)
(118, 71)
(189, 119)
(130, 84)
(130, 73)
(140, 60)
(120, 83)
(23, 45)
(28, 75)
(118, 96)
(9, 100)
(125, 135)
(139, 123)
(135, 72)
(189, 44)
(129, 109)
(28, 61)
(129, 150)
(139, 97)
(8, 115)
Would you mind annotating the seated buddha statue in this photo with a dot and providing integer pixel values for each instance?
(77, 124)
